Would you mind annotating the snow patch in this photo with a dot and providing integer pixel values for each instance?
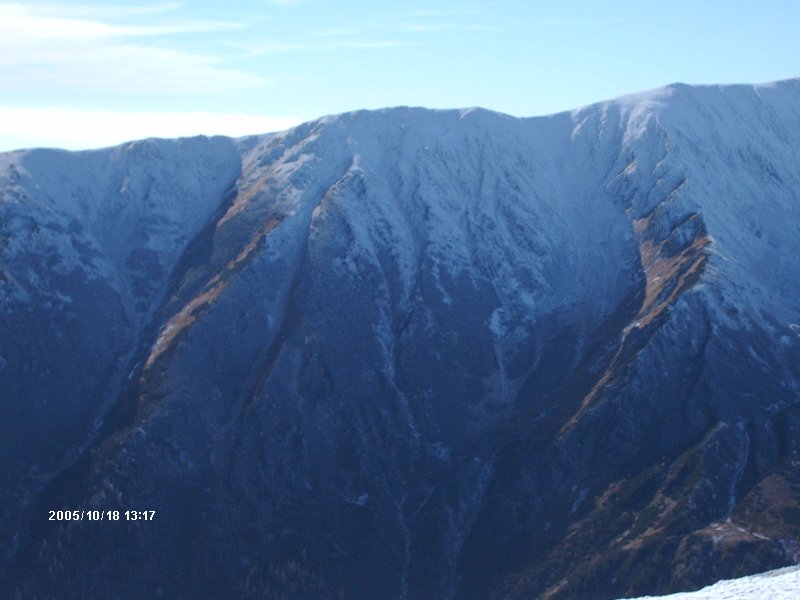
(780, 584)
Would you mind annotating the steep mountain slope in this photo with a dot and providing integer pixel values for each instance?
(409, 354)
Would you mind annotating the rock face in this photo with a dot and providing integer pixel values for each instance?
(408, 354)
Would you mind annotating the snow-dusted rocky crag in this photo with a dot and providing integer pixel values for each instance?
(408, 354)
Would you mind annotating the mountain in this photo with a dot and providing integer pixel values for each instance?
(408, 354)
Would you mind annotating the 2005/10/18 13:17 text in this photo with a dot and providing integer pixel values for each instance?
(102, 515)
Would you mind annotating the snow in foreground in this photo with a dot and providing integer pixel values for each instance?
(781, 584)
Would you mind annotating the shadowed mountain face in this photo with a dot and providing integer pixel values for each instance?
(408, 354)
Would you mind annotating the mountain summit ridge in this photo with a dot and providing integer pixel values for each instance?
(409, 353)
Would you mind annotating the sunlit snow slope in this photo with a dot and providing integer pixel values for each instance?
(409, 354)
(781, 584)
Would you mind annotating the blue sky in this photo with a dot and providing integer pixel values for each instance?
(87, 74)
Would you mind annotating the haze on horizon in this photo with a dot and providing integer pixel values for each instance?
(91, 74)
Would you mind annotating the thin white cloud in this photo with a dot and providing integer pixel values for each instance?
(438, 14)
(568, 22)
(421, 27)
(20, 24)
(411, 22)
(431, 27)
(334, 32)
(462, 18)
(47, 52)
(102, 11)
(265, 48)
(81, 129)
(120, 68)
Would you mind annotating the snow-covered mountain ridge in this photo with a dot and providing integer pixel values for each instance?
(408, 353)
